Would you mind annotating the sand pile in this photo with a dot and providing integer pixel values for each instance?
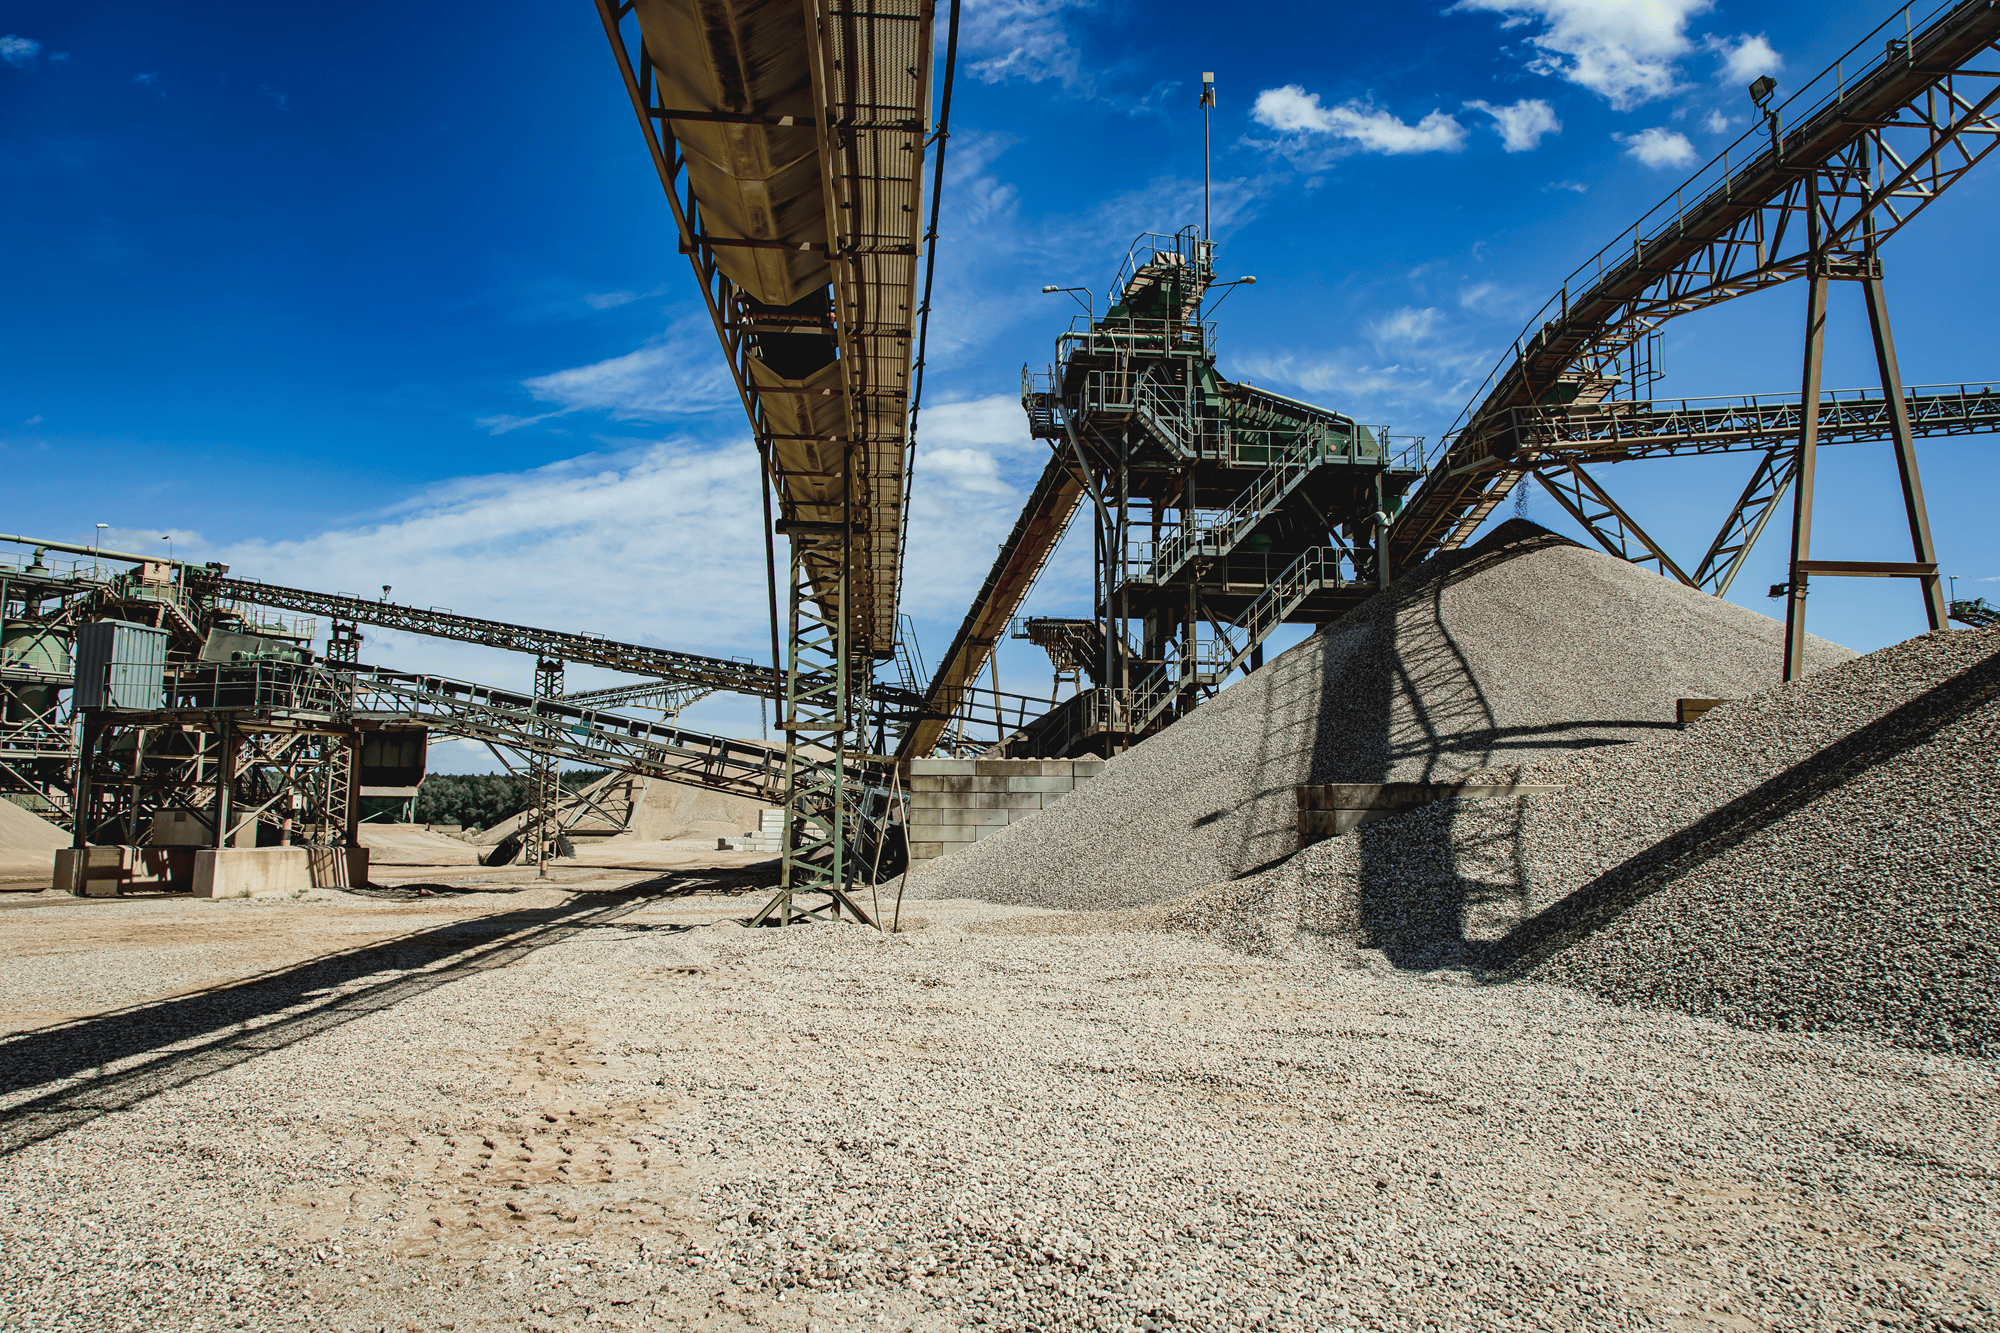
(28, 844)
(415, 845)
(1523, 646)
(667, 810)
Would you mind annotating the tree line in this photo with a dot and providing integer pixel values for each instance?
(481, 800)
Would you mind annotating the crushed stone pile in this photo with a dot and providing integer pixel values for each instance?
(1818, 858)
(1522, 645)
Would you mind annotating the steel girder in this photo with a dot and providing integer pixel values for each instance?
(1841, 166)
(664, 695)
(1606, 521)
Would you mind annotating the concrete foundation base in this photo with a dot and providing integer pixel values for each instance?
(92, 872)
(252, 872)
(1338, 808)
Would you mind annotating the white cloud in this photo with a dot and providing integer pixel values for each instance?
(1020, 39)
(1745, 59)
(1521, 124)
(150, 82)
(280, 100)
(20, 52)
(1659, 148)
(34, 420)
(609, 300)
(1716, 123)
(1292, 110)
(1408, 324)
(679, 375)
(1574, 187)
(1622, 50)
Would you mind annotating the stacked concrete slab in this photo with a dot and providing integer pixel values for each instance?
(956, 802)
(769, 837)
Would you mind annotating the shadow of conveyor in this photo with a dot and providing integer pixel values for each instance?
(1435, 716)
(264, 1014)
(1629, 883)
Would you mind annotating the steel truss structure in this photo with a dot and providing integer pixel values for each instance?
(1219, 511)
(1557, 443)
(790, 144)
(1833, 173)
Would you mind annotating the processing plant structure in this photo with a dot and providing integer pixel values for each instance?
(163, 706)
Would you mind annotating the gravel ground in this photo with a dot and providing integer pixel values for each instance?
(625, 1111)
(1522, 646)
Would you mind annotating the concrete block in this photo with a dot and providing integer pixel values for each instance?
(1002, 768)
(963, 834)
(943, 783)
(926, 851)
(1051, 785)
(336, 867)
(1000, 800)
(941, 768)
(1086, 768)
(251, 872)
(934, 800)
(91, 872)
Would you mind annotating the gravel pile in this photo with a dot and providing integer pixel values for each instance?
(610, 1120)
(1523, 645)
(1820, 857)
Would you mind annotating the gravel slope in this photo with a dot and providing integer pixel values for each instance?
(1523, 645)
(1819, 857)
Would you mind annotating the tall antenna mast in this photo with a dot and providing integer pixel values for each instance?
(1207, 101)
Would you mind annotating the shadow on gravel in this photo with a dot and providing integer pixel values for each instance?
(266, 1013)
(1601, 901)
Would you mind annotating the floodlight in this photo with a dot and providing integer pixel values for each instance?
(1760, 91)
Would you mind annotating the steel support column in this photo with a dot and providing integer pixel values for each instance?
(825, 702)
(1803, 471)
(1906, 449)
(539, 830)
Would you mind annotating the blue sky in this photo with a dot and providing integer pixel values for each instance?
(391, 296)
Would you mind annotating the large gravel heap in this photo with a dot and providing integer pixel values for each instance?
(1819, 858)
(1523, 645)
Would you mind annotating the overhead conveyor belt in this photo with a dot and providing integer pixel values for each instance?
(572, 733)
(1044, 519)
(1845, 162)
(790, 139)
(672, 670)
(1623, 431)
(717, 673)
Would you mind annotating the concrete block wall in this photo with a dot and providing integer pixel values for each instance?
(956, 802)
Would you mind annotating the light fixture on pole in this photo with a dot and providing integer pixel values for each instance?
(1082, 300)
(1247, 280)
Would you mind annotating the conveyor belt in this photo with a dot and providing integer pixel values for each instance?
(1919, 98)
(1044, 519)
